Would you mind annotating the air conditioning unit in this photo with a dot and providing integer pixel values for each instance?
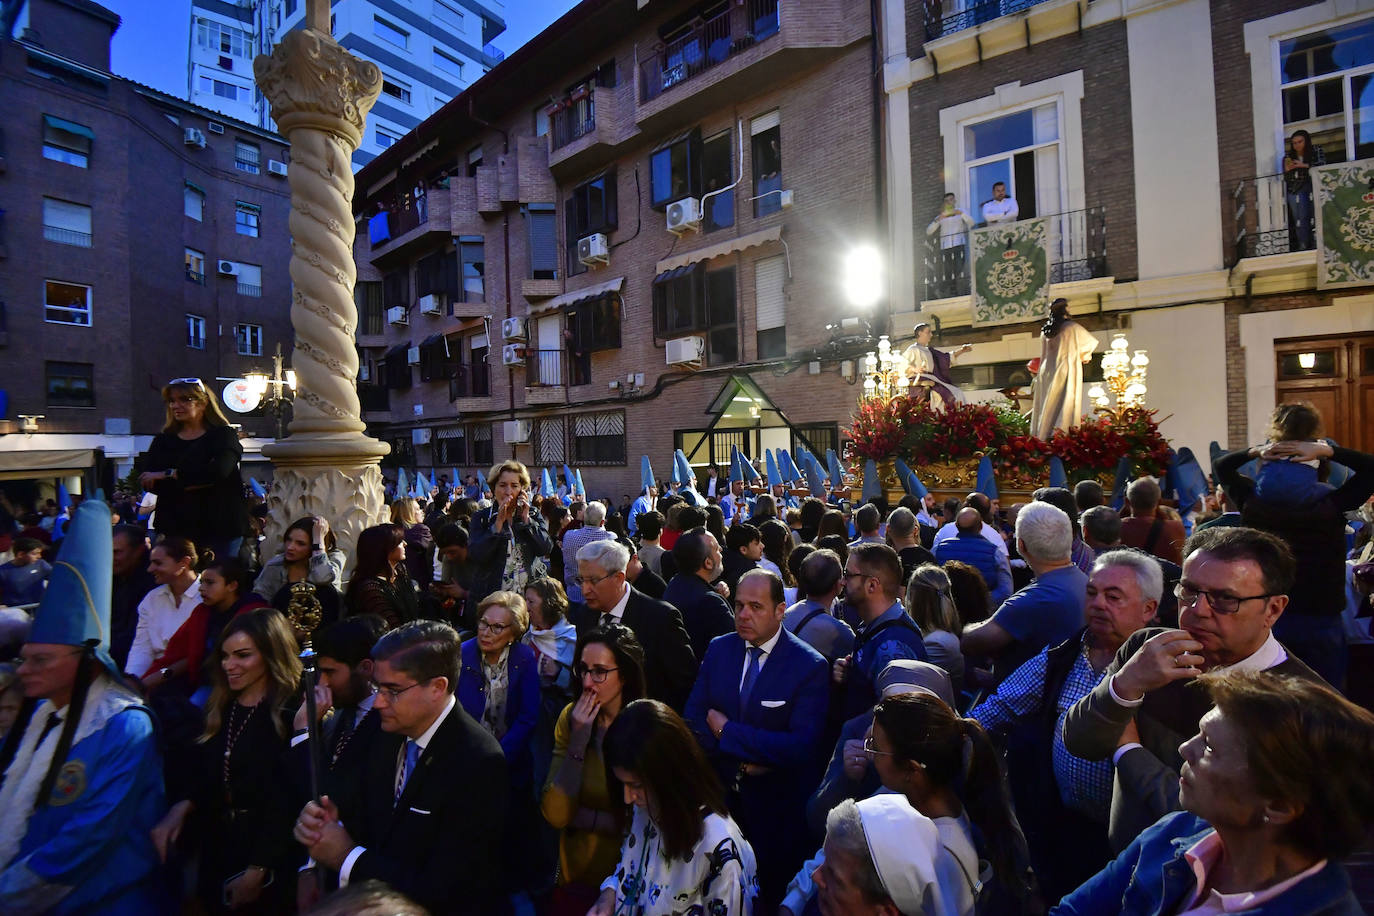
(685, 350)
(684, 215)
(364, 373)
(193, 137)
(398, 314)
(276, 167)
(413, 356)
(420, 435)
(513, 355)
(513, 329)
(430, 305)
(516, 431)
(593, 249)
(214, 127)
(228, 268)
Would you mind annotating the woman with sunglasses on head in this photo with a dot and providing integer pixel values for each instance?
(609, 674)
(234, 784)
(193, 468)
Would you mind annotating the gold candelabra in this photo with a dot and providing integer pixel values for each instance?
(1124, 376)
(885, 372)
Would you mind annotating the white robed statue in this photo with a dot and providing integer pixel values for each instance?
(1065, 345)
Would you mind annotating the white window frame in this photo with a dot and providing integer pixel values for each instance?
(198, 196)
(449, 58)
(208, 29)
(81, 316)
(195, 262)
(460, 27)
(1065, 90)
(195, 332)
(253, 166)
(381, 133)
(252, 221)
(65, 235)
(402, 87)
(1262, 40)
(381, 26)
(248, 339)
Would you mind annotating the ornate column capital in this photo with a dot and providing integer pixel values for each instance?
(312, 81)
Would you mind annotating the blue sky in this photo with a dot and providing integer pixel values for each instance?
(151, 44)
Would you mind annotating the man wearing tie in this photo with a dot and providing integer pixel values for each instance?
(405, 819)
(758, 709)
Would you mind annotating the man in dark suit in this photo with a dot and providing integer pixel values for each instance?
(405, 819)
(669, 665)
(758, 709)
(743, 549)
(343, 656)
(692, 591)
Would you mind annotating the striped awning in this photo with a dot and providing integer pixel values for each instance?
(573, 297)
(720, 249)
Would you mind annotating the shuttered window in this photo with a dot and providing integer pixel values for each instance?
(543, 242)
(770, 306)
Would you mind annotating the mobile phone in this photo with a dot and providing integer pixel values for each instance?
(224, 888)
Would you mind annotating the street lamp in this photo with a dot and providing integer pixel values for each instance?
(1124, 376)
(885, 372)
(276, 392)
(863, 276)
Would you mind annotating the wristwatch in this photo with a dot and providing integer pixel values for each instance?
(166, 674)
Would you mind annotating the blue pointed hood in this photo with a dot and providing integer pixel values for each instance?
(684, 468)
(815, 479)
(569, 479)
(581, 490)
(872, 488)
(787, 466)
(545, 484)
(257, 488)
(75, 609)
(771, 465)
(736, 472)
(836, 475)
(1058, 476)
(910, 482)
(987, 484)
(646, 475)
(1189, 480)
(751, 473)
(1123, 479)
(402, 483)
(64, 499)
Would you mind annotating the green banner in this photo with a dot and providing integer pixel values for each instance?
(1011, 272)
(1344, 199)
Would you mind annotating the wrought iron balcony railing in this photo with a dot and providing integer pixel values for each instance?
(1267, 220)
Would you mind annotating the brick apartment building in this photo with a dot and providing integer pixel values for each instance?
(1152, 134)
(141, 239)
(628, 237)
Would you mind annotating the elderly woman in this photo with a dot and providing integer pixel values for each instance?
(1276, 791)
(551, 635)
(509, 545)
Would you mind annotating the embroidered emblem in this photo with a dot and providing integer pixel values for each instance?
(71, 782)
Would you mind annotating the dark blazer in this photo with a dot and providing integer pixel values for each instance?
(522, 704)
(487, 549)
(705, 613)
(440, 844)
(669, 663)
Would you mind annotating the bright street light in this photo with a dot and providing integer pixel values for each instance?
(863, 276)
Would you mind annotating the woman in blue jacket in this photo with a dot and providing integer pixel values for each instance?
(1276, 790)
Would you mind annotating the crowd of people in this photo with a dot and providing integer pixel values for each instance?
(713, 702)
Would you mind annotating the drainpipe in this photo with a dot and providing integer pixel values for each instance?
(879, 182)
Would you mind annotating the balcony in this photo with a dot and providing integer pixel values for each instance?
(966, 15)
(1077, 250)
(545, 377)
(1263, 223)
(249, 289)
(470, 387)
(587, 130)
(540, 289)
(411, 223)
(713, 63)
(196, 276)
(72, 237)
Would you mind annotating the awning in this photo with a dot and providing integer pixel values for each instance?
(432, 339)
(573, 297)
(21, 465)
(71, 127)
(673, 274)
(720, 249)
(399, 348)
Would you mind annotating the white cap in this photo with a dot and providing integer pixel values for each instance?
(903, 843)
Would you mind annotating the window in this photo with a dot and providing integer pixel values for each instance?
(249, 280)
(448, 15)
(447, 63)
(398, 374)
(541, 121)
(439, 358)
(599, 438)
(1328, 89)
(385, 138)
(396, 288)
(388, 32)
(480, 434)
(396, 89)
(595, 325)
(690, 299)
(474, 161)
(66, 223)
(677, 298)
(770, 307)
(766, 152)
(450, 446)
(437, 273)
(543, 229)
(717, 172)
(222, 39)
(549, 437)
(249, 338)
(722, 337)
(67, 142)
(246, 157)
(591, 208)
(1020, 149)
(246, 217)
(70, 384)
(195, 332)
(193, 200)
(368, 296)
(480, 372)
(195, 266)
(66, 303)
(472, 257)
(674, 171)
(222, 89)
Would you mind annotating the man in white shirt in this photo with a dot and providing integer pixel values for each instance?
(1001, 209)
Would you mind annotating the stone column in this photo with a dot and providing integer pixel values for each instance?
(327, 465)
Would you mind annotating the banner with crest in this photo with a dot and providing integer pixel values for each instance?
(1343, 195)
(1011, 272)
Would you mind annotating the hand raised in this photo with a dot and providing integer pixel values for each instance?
(1164, 658)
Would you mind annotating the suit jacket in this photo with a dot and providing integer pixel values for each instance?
(440, 843)
(1145, 786)
(705, 613)
(669, 664)
(522, 704)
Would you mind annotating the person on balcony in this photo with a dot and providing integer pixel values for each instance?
(1002, 208)
(951, 226)
(928, 366)
(1297, 186)
(1065, 345)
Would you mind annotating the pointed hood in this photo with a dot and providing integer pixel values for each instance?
(646, 475)
(581, 490)
(257, 488)
(1058, 476)
(836, 475)
(402, 483)
(546, 484)
(1190, 483)
(910, 482)
(987, 483)
(815, 479)
(569, 479)
(1123, 478)
(771, 464)
(684, 468)
(75, 610)
(736, 472)
(872, 488)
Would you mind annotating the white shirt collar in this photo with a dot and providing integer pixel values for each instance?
(1268, 655)
(767, 647)
(424, 739)
(619, 610)
(364, 707)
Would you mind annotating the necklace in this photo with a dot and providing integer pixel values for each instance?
(232, 733)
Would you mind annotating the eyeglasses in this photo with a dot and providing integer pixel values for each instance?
(43, 661)
(862, 575)
(598, 673)
(1219, 603)
(495, 629)
(871, 750)
(394, 693)
(590, 580)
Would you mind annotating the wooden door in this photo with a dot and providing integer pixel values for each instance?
(1336, 376)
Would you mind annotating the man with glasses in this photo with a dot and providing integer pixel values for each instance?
(872, 582)
(669, 665)
(1234, 587)
(406, 818)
